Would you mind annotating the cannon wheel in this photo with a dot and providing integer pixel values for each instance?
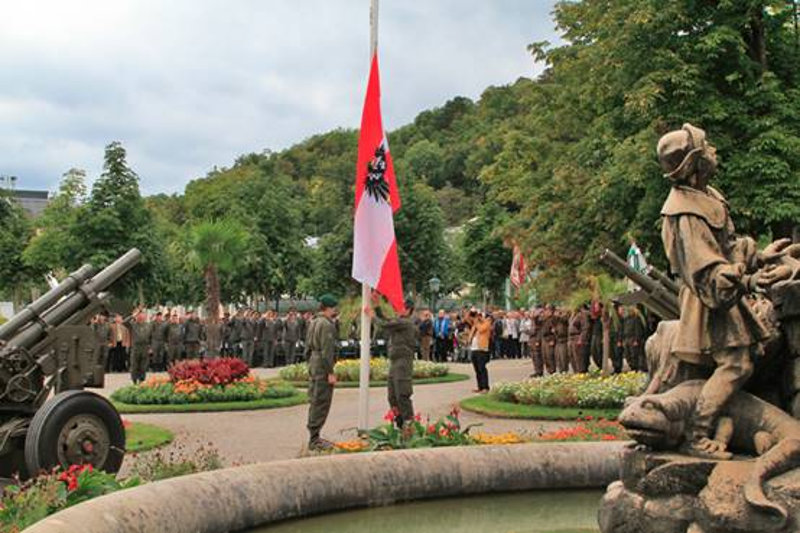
(75, 427)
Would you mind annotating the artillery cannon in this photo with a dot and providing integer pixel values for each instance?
(658, 293)
(49, 348)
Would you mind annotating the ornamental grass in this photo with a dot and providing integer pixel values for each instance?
(349, 370)
(590, 390)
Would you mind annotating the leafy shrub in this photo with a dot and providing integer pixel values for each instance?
(590, 390)
(217, 371)
(159, 391)
(349, 370)
(26, 503)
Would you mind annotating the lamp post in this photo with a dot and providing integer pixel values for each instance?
(435, 284)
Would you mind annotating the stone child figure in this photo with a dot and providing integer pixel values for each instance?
(717, 327)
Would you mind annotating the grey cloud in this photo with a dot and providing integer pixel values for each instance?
(187, 85)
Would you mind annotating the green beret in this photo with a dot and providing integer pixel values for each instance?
(327, 301)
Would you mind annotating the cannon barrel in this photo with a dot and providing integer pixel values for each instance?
(664, 280)
(45, 302)
(75, 301)
(660, 298)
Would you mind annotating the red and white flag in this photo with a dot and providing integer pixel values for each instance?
(375, 260)
(518, 272)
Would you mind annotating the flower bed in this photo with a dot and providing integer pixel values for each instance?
(448, 431)
(349, 370)
(590, 390)
(222, 380)
(25, 503)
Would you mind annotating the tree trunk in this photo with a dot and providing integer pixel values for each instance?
(212, 292)
(758, 38)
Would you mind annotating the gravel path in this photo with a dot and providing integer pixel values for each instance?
(274, 434)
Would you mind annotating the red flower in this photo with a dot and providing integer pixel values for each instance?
(588, 417)
(431, 429)
(418, 417)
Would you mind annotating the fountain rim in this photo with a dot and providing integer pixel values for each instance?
(245, 497)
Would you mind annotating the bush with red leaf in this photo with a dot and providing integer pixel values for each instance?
(218, 371)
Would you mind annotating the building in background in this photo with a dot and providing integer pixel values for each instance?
(32, 202)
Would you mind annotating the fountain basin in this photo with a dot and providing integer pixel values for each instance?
(241, 498)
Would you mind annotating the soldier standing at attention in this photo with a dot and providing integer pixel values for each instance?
(192, 336)
(141, 333)
(291, 334)
(248, 337)
(560, 329)
(402, 336)
(102, 332)
(549, 339)
(174, 339)
(536, 340)
(633, 335)
(575, 329)
(270, 337)
(322, 342)
(226, 334)
(159, 338)
(235, 334)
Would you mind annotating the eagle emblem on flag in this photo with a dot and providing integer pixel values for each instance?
(376, 184)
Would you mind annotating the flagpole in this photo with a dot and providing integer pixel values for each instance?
(363, 380)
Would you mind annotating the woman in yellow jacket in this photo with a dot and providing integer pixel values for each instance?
(479, 337)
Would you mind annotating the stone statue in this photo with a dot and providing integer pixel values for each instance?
(738, 331)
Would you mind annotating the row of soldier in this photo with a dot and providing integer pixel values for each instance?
(141, 342)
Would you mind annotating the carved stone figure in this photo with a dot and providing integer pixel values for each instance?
(723, 375)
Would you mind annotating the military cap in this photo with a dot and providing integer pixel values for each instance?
(328, 300)
(409, 303)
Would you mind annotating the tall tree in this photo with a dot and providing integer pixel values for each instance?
(16, 230)
(217, 247)
(114, 220)
(487, 261)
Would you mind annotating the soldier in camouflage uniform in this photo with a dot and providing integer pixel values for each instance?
(142, 333)
(322, 343)
(549, 339)
(193, 335)
(402, 334)
(174, 339)
(291, 334)
(102, 332)
(158, 339)
(249, 333)
(561, 331)
(269, 338)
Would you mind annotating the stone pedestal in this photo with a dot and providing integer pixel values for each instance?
(672, 493)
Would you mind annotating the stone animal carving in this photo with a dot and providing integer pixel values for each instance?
(748, 424)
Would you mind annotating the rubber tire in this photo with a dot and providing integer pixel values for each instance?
(41, 439)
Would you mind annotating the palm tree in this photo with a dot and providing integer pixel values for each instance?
(216, 247)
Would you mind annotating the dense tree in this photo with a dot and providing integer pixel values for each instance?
(486, 260)
(55, 242)
(16, 230)
(114, 220)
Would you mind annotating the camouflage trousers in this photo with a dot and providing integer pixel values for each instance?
(192, 350)
(400, 389)
(536, 357)
(549, 356)
(320, 396)
(576, 356)
(248, 349)
(562, 356)
(139, 362)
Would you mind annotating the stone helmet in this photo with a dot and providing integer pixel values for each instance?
(685, 152)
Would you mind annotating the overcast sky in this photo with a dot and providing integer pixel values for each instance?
(190, 84)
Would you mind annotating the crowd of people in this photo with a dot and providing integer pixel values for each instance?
(144, 341)
(554, 338)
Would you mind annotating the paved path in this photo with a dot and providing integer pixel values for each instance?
(273, 434)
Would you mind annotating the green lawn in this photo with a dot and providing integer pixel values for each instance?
(486, 405)
(268, 403)
(140, 437)
(447, 378)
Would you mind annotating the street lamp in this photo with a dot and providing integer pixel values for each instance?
(435, 284)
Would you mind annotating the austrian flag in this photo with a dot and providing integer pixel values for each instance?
(375, 260)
